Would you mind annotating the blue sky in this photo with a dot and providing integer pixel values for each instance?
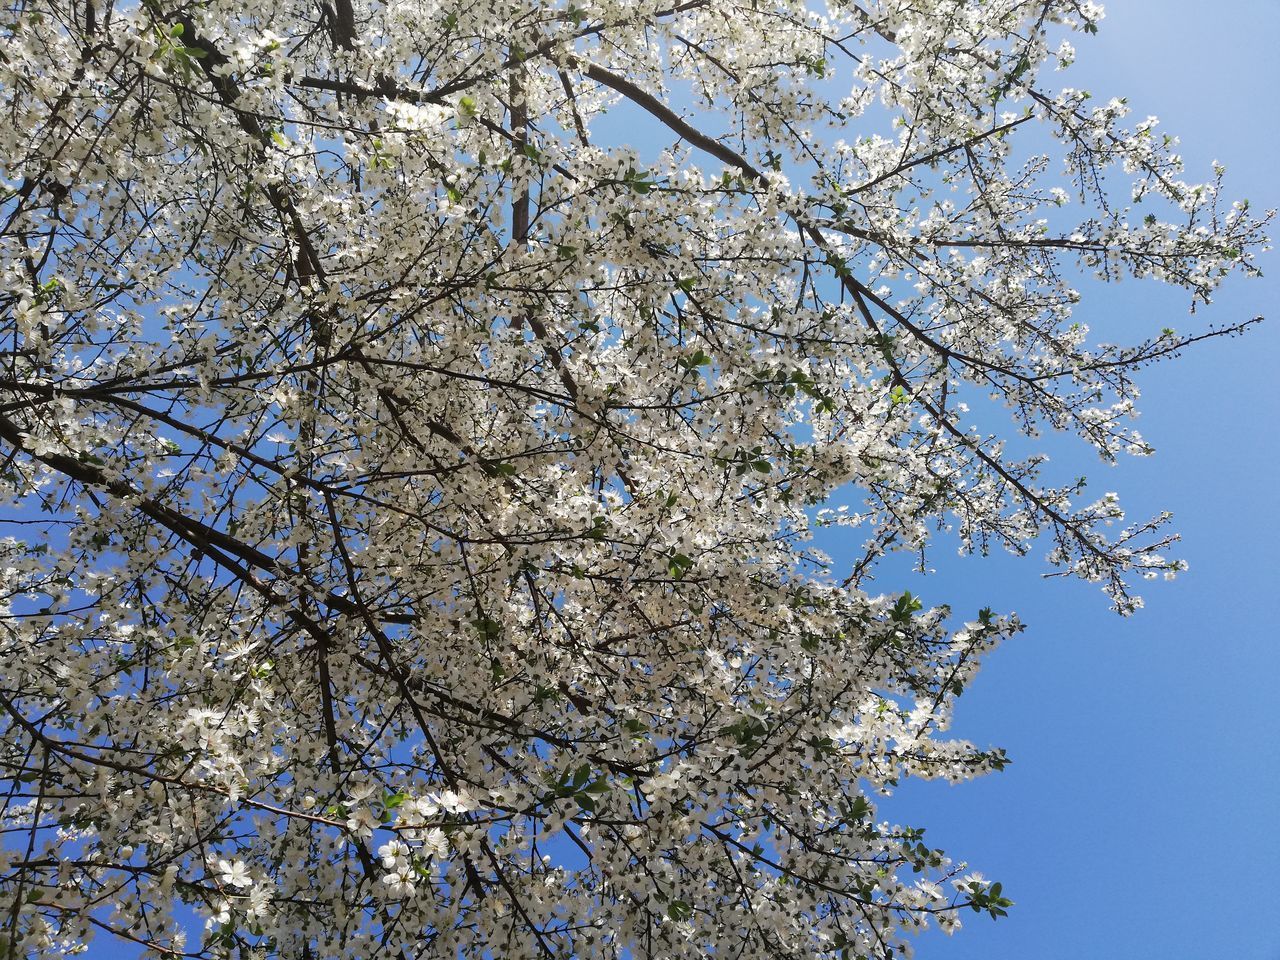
(1141, 816)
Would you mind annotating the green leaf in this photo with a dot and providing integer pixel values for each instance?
(678, 565)
(695, 360)
(488, 628)
(393, 800)
(636, 728)
(638, 181)
(839, 266)
(905, 607)
(495, 468)
(679, 910)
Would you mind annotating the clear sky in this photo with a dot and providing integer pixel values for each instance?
(1141, 816)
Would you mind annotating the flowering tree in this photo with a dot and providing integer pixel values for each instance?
(411, 491)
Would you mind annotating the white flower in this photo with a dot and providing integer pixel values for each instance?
(393, 854)
(360, 792)
(240, 649)
(259, 903)
(399, 883)
(435, 843)
(361, 821)
(965, 883)
(235, 873)
(458, 801)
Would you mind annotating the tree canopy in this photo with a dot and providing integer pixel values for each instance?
(416, 418)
